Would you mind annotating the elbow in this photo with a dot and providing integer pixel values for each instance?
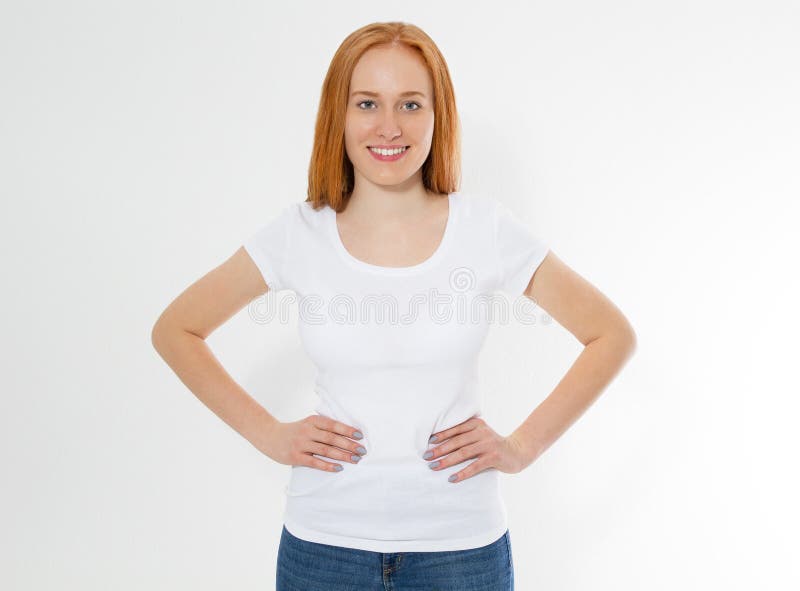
(617, 330)
(623, 336)
(160, 334)
(166, 334)
(156, 336)
(630, 334)
(626, 336)
(632, 344)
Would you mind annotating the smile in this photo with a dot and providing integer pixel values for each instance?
(388, 155)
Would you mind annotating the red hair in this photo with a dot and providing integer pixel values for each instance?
(330, 172)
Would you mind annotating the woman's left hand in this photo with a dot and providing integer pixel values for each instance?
(476, 439)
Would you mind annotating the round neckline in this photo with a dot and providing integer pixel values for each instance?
(333, 228)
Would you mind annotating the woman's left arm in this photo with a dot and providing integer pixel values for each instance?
(609, 341)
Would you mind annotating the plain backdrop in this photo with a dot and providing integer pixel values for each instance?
(653, 145)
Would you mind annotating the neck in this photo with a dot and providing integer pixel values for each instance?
(390, 202)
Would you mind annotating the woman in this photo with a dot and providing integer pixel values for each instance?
(399, 397)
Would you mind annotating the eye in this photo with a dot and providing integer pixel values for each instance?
(418, 106)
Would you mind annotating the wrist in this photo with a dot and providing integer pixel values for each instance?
(263, 438)
(530, 448)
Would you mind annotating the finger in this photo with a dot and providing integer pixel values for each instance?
(474, 468)
(440, 436)
(306, 459)
(329, 424)
(334, 452)
(332, 439)
(462, 454)
(451, 445)
(336, 433)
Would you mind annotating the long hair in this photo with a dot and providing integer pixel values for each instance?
(330, 172)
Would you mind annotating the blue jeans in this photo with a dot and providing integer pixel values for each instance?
(309, 566)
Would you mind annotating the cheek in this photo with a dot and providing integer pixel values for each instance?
(423, 129)
(356, 133)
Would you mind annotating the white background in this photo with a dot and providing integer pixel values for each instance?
(653, 145)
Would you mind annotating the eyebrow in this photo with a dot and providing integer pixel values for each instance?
(368, 93)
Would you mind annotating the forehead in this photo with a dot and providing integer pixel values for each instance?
(391, 70)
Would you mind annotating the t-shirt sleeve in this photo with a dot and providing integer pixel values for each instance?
(269, 248)
(519, 251)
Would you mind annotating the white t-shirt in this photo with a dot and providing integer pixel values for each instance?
(396, 351)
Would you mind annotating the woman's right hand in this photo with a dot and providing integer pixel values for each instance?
(295, 443)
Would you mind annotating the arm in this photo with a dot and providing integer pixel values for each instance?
(179, 338)
(609, 341)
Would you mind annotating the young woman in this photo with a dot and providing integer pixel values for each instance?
(384, 225)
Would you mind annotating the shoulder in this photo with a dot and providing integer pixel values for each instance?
(309, 218)
(477, 212)
(296, 216)
(286, 224)
(476, 206)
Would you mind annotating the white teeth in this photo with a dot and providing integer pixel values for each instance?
(384, 152)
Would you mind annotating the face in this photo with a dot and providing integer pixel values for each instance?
(390, 103)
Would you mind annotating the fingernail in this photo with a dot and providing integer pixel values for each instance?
(338, 468)
(428, 454)
(358, 435)
(361, 450)
(432, 465)
(453, 478)
(432, 439)
(355, 457)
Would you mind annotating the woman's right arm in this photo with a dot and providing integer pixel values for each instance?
(179, 337)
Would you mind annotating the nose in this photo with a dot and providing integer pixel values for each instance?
(388, 127)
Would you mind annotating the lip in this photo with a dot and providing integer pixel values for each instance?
(388, 158)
